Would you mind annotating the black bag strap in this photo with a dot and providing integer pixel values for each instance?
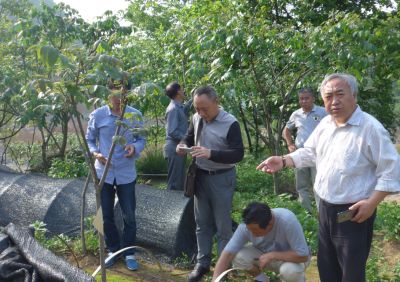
(199, 129)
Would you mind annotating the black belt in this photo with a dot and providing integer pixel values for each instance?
(335, 205)
(213, 172)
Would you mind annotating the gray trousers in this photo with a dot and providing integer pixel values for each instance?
(304, 185)
(176, 172)
(212, 210)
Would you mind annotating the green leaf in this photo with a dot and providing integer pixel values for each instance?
(48, 55)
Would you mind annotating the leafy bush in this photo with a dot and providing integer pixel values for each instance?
(24, 155)
(397, 271)
(250, 180)
(73, 165)
(388, 220)
(63, 244)
(91, 238)
(68, 168)
(58, 244)
(152, 161)
(377, 268)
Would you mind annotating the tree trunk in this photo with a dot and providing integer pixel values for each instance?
(246, 128)
(64, 132)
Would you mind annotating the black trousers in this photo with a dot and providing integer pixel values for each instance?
(343, 248)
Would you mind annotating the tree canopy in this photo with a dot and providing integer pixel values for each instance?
(257, 54)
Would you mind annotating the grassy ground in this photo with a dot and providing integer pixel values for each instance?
(384, 258)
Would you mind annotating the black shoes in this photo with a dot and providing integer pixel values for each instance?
(198, 273)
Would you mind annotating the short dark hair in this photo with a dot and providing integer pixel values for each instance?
(206, 90)
(257, 213)
(172, 89)
(306, 90)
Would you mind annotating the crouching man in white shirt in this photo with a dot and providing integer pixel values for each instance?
(268, 239)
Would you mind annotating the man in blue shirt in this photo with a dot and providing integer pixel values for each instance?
(121, 177)
(177, 115)
(304, 121)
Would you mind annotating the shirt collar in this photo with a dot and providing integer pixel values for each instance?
(312, 110)
(177, 103)
(219, 116)
(109, 110)
(355, 118)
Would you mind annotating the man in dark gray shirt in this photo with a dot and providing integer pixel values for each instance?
(176, 115)
(217, 148)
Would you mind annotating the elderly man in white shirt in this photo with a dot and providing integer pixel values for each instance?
(357, 167)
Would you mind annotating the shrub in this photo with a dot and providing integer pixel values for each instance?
(388, 220)
(250, 180)
(152, 161)
(67, 168)
(24, 155)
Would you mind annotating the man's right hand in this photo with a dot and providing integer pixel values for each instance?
(100, 158)
(271, 165)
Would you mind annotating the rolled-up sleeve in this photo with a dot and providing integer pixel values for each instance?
(387, 161)
(92, 134)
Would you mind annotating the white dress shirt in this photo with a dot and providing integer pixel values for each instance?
(352, 160)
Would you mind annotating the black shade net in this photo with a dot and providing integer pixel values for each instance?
(22, 258)
(165, 219)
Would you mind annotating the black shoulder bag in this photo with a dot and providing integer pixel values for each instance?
(190, 181)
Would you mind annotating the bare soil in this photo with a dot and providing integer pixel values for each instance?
(148, 271)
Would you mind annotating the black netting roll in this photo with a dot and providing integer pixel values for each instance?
(22, 258)
(165, 219)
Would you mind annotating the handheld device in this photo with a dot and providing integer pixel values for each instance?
(186, 149)
(345, 215)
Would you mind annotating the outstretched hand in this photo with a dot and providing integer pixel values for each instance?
(271, 165)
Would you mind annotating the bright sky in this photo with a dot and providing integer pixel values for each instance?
(90, 9)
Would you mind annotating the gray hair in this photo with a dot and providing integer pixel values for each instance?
(207, 90)
(348, 78)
